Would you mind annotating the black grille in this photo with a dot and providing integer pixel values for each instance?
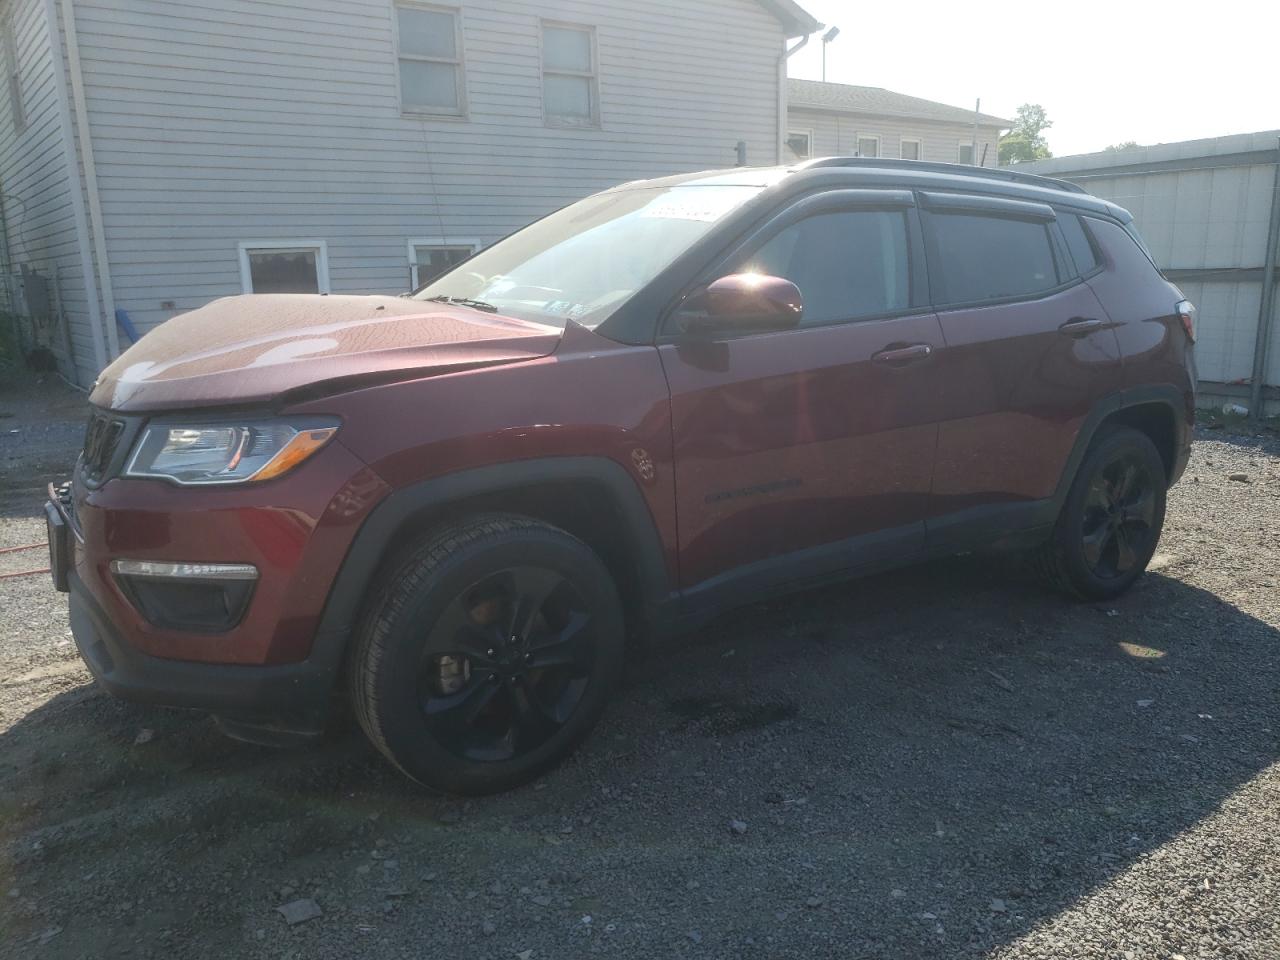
(101, 438)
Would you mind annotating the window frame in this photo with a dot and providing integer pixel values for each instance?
(436, 243)
(458, 62)
(919, 147)
(857, 144)
(973, 153)
(807, 134)
(13, 71)
(802, 207)
(592, 77)
(319, 247)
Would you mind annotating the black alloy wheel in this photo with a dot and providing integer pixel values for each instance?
(1119, 521)
(488, 655)
(506, 664)
(1110, 522)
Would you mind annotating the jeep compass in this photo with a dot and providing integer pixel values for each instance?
(456, 509)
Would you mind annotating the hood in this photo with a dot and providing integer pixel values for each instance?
(252, 349)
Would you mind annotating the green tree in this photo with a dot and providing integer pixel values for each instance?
(1127, 145)
(1026, 140)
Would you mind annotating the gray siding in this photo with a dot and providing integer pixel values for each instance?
(232, 120)
(37, 184)
(836, 134)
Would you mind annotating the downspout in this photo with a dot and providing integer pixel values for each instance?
(90, 176)
(96, 327)
(1266, 308)
(782, 93)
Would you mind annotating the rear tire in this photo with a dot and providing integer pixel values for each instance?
(1111, 521)
(489, 654)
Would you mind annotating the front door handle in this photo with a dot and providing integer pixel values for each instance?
(1081, 326)
(896, 356)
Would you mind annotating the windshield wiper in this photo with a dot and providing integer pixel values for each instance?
(465, 302)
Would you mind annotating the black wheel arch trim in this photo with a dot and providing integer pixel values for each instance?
(1165, 394)
(368, 550)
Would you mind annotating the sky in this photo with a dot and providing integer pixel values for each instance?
(1106, 72)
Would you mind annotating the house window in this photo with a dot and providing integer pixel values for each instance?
(868, 146)
(800, 142)
(284, 267)
(965, 153)
(15, 78)
(570, 90)
(429, 46)
(911, 149)
(429, 259)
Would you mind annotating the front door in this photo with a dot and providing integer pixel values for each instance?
(803, 452)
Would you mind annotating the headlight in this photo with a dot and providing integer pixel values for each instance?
(208, 453)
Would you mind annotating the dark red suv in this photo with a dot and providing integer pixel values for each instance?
(669, 398)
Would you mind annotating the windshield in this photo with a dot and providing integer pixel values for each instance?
(584, 262)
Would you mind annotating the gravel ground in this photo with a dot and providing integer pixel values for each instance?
(943, 762)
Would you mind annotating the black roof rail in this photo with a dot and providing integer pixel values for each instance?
(954, 169)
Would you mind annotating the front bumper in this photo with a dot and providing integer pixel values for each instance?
(283, 701)
(270, 675)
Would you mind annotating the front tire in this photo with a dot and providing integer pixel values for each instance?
(1111, 521)
(489, 654)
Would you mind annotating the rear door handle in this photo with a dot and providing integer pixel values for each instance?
(895, 356)
(1081, 326)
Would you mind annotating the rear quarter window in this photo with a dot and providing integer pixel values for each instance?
(976, 257)
(1081, 245)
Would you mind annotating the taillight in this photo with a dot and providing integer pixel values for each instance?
(1186, 311)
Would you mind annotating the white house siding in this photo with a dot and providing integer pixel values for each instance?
(836, 134)
(221, 121)
(36, 181)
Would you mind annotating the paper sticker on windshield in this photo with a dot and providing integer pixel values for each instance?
(705, 206)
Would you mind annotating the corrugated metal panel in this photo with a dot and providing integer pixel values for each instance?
(232, 120)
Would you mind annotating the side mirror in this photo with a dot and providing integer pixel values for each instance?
(743, 302)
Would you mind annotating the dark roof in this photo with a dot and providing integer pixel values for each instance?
(846, 98)
(795, 19)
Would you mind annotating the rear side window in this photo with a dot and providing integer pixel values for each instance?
(848, 265)
(975, 257)
(1078, 242)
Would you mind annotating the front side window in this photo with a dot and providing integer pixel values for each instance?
(974, 257)
(429, 48)
(868, 146)
(800, 142)
(429, 259)
(584, 262)
(570, 95)
(848, 265)
(284, 267)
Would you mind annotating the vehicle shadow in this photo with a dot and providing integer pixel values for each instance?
(930, 762)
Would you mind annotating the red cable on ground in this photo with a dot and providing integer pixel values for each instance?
(24, 573)
(29, 546)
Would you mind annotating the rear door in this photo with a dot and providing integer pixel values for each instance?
(805, 451)
(1029, 351)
